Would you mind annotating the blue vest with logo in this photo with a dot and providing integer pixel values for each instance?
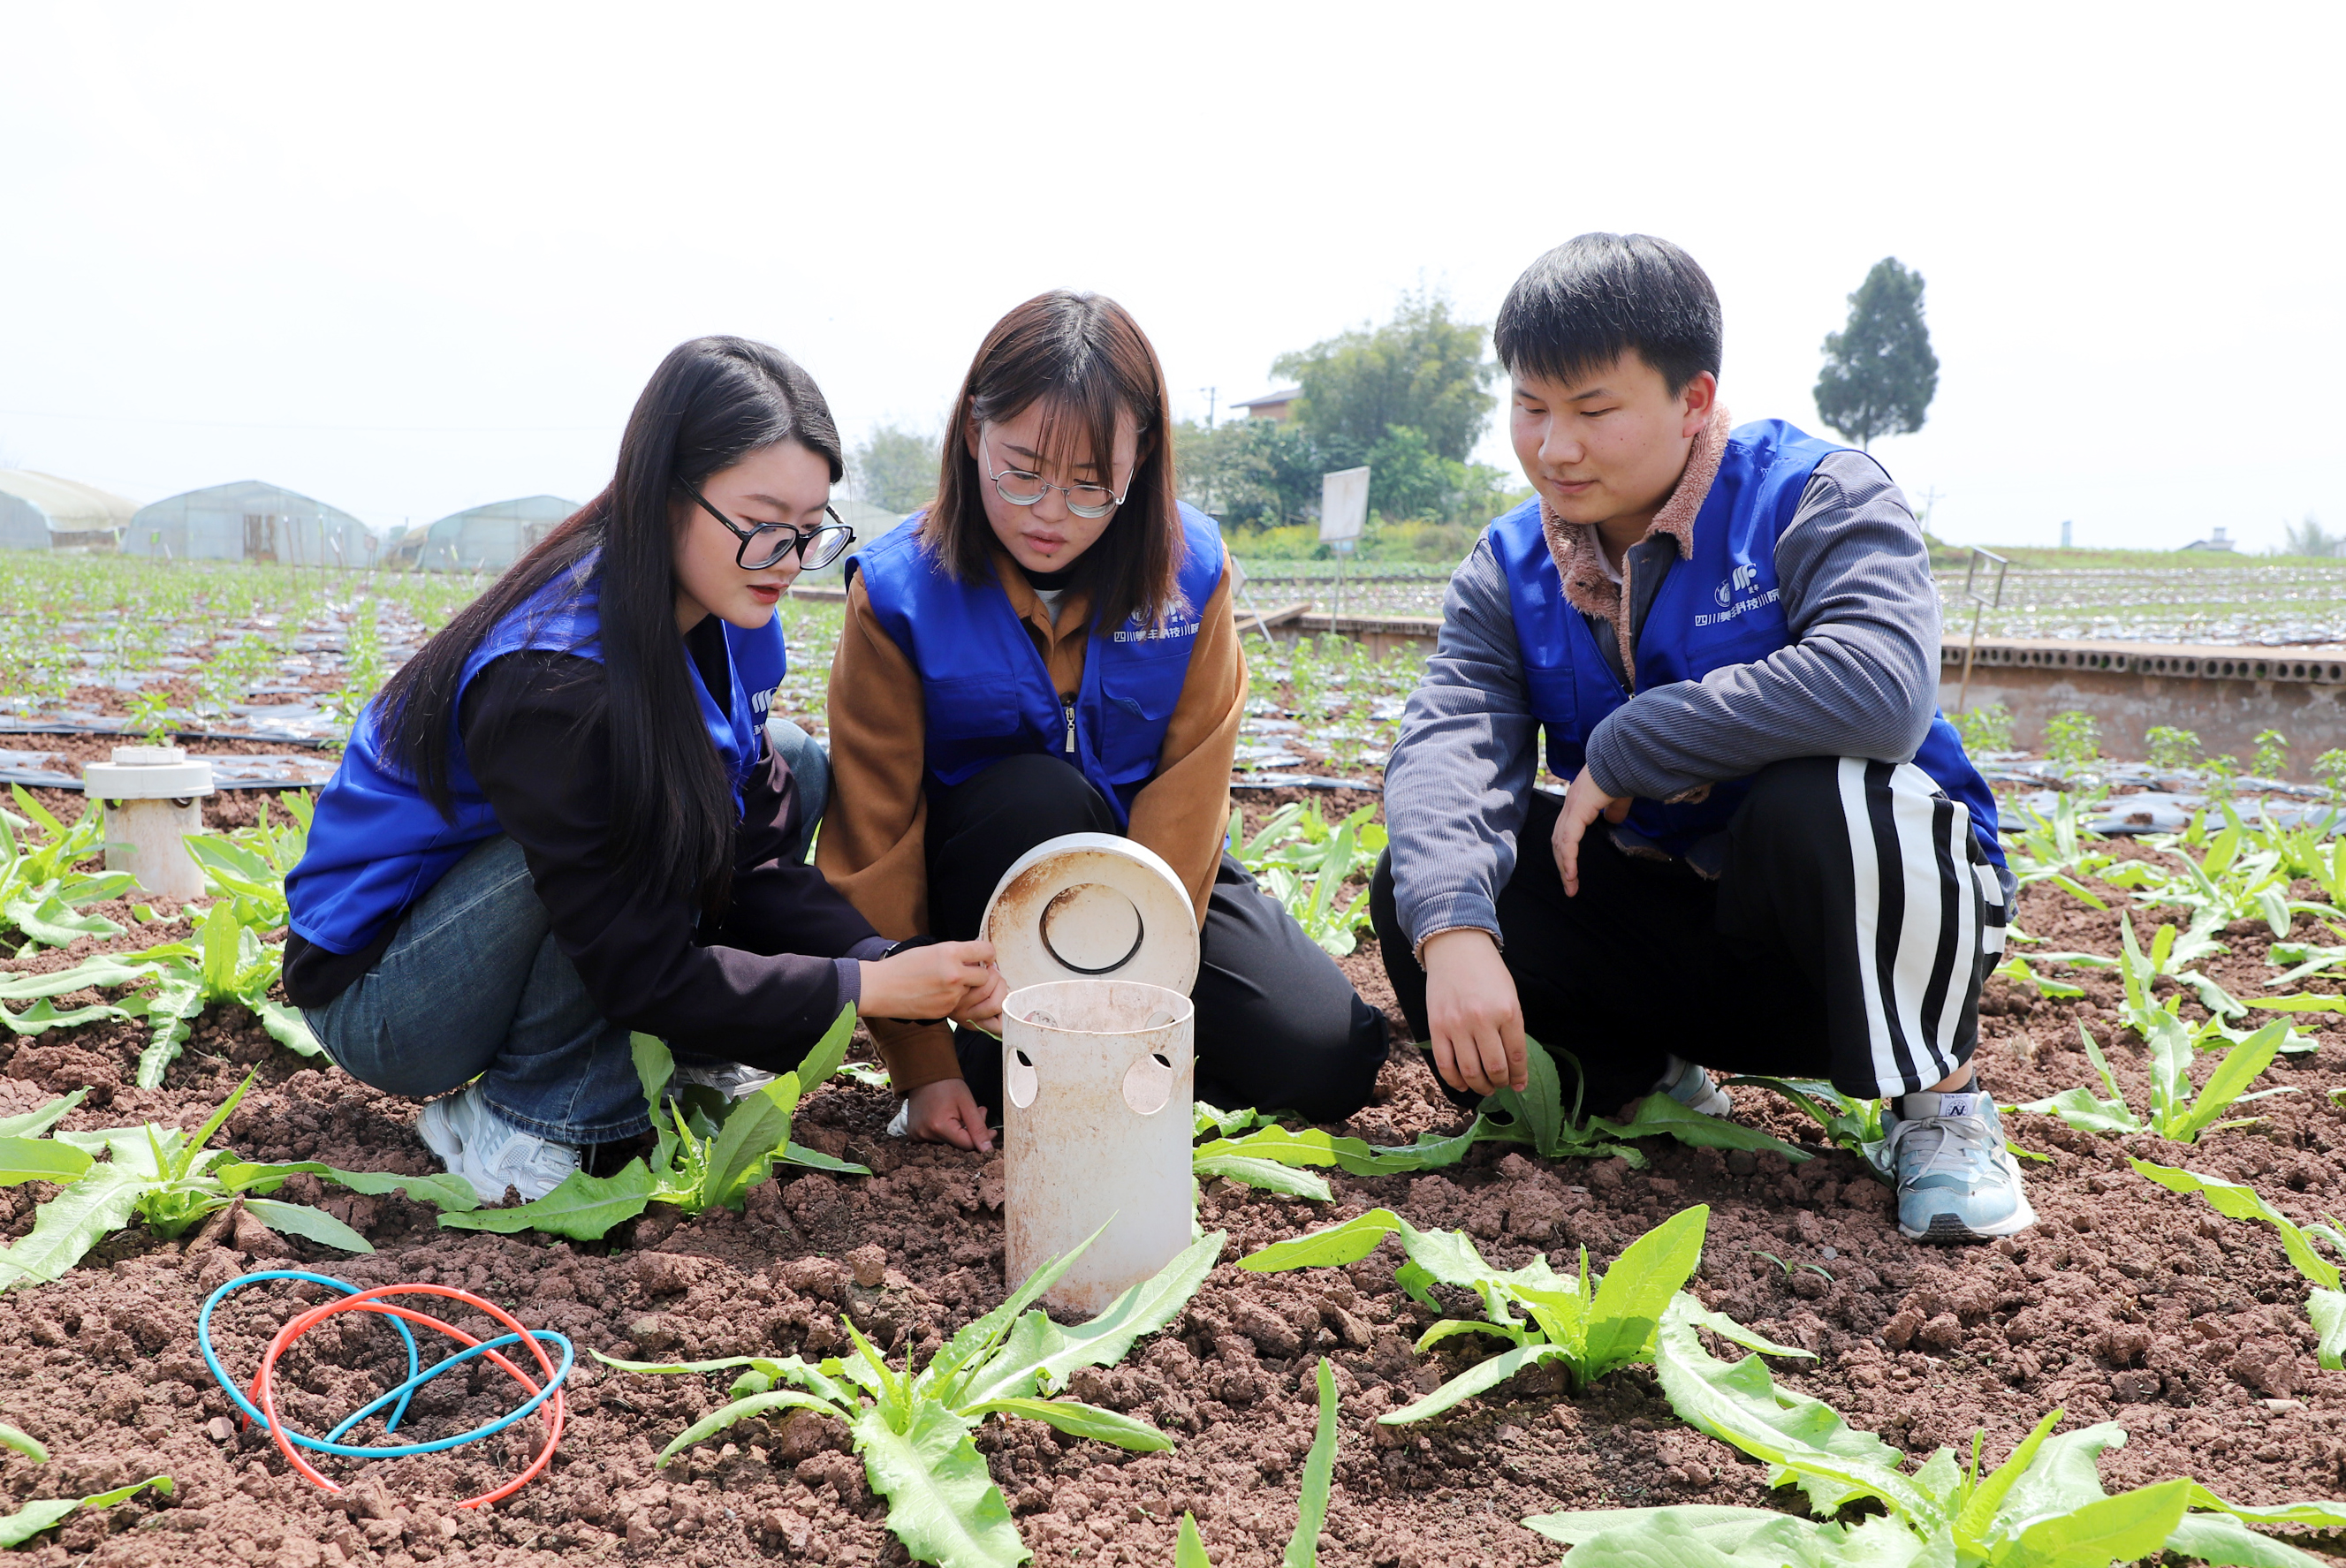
(985, 692)
(1720, 607)
(376, 844)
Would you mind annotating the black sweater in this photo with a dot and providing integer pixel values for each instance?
(760, 985)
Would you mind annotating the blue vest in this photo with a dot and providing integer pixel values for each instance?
(376, 844)
(1719, 608)
(985, 692)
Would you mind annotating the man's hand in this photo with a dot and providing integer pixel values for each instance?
(937, 982)
(1473, 1012)
(945, 1111)
(1584, 802)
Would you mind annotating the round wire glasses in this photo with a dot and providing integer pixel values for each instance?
(1021, 488)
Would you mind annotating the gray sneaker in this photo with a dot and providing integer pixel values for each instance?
(1687, 1082)
(1957, 1181)
(734, 1080)
(475, 1142)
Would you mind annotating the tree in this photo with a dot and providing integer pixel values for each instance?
(1880, 373)
(2310, 538)
(1422, 371)
(894, 468)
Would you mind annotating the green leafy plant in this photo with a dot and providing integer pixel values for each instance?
(2043, 1508)
(170, 1180)
(1311, 1503)
(2072, 737)
(2057, 848)
(1853, 1123)
(1303, 862)
(2235, 1200)
(2271, 759)
(1535, 1115)
(42, 894)
(2329, 768)
(227, 961)
(913, 1429)
(1586, 1327)
(2170, 748)
(707, 1154)
(48, 1512)
(2176, 1112)
(1987, 727)
(249, 864)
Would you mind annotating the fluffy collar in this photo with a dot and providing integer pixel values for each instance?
(1578, 553)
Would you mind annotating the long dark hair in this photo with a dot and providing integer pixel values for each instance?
(712, 402)
(1086, 358)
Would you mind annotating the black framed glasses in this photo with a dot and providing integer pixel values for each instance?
(1021, 488)
(816, 547)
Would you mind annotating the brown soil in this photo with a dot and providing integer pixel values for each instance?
(2125, 1303)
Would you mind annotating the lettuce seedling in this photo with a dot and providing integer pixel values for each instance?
(42, 894)
(913, 1429)
(706, 1154)
(1311, 1507)
(227, 961)
(247, 865)
(2176, 1112)
(2043, 1508)
(1303, 862)
(2236, 1200)
(2051, 849)
(171, 1181)
(1586, 1327)
(48, 1512)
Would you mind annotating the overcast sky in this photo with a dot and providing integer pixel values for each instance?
(409, 259)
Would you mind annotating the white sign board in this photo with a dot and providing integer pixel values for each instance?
(1343, 504)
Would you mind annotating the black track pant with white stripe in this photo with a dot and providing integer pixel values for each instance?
(1846, 938)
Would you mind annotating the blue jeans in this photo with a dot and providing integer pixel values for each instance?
(474, 986)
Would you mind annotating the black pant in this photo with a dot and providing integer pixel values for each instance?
(1278, 1026)
(1846, 938)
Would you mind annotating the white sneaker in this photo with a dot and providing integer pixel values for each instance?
(734, 1080)
(1687, 1082)
(475, 1142)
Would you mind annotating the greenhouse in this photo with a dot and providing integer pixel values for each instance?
(250, 520)
(43, 511)
(485, 538)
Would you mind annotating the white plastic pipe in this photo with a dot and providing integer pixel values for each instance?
(152, 798)
(1099, 1077)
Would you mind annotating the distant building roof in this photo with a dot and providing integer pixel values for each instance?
(70, 505)
(1272, 400)
(2215, 540)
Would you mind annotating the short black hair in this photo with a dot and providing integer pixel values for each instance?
(1578, 307)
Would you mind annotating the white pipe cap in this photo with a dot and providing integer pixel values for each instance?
(1092, 906)
(147, 773)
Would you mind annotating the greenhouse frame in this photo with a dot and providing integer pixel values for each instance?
(250, 520)
(43, 511)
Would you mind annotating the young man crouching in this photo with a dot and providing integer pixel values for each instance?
(1772, 856)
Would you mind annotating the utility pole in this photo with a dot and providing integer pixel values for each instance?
(1930, 499)
(1209, 392)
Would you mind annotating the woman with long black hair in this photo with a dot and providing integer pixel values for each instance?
(570, 816)
(1048, 649)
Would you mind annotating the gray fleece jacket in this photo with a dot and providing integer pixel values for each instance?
(1860, 678)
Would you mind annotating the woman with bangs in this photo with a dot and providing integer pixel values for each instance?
(954, 748)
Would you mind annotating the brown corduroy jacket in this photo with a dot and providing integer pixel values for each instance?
(873, 841)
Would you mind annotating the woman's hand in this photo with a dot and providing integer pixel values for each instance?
(982, 1009)
(941, 981)
(945, 1111)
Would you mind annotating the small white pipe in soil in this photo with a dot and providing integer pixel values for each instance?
(151, 796)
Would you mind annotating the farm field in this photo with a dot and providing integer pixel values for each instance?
(2135, 596)
(2131, 1304)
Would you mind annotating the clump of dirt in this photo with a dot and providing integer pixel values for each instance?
(2125, 1303)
